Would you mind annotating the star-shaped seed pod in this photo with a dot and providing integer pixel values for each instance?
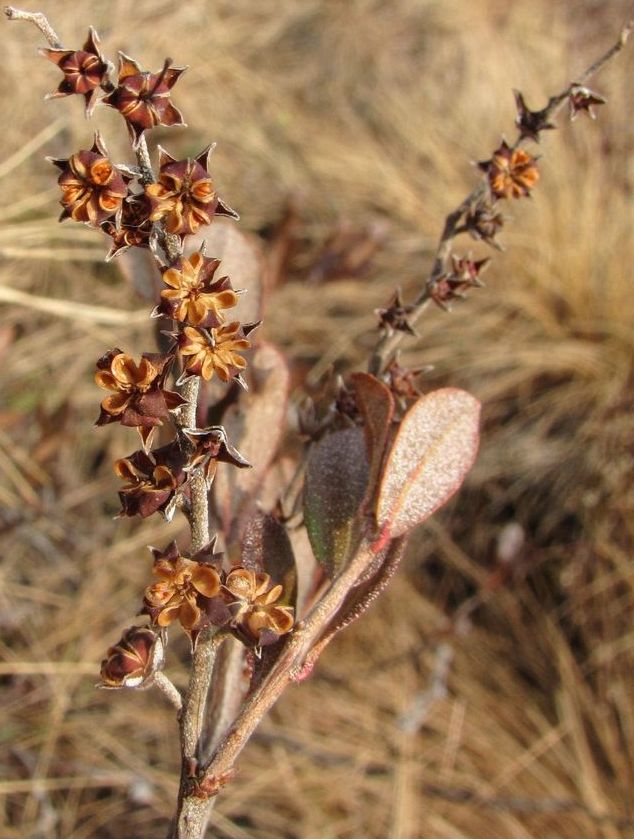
(394, 317)
(511, 172)
(193, 295)
(215, 351)
(85, 70)
(153, 480)
(143, 99)
(131, 662)
(134, 227)
(530, 123)
(210, 447)
(464, 275)
(483, 220)
(581, 99)
(184, 195)
(186, 589)
(402, 380)
(258, 619)
(140, 399)
(92, 187)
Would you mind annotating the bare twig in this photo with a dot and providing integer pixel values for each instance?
(39, 20)
(167, 687)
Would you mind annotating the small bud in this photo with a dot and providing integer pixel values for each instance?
(131, 662)
(153, 480)
(483, 220)
(134, 228)
(582, 98)
(465, 274)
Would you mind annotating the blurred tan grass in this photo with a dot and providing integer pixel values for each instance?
(366, 110)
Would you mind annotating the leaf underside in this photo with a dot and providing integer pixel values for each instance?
(336, 480)
(432, 452)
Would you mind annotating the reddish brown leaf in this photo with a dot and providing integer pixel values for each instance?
(376, 405)
(254, 424)
(336, 481)
(433, 450)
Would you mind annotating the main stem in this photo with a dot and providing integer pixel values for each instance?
(192, 811)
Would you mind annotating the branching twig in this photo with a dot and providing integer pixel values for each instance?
(390, 341)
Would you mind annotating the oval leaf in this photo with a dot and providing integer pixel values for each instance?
(336, 480)
(433, 450)
(376, 405)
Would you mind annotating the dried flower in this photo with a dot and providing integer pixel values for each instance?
(143, 99)
(215, 351)
(133, 659)
(530, 123)
(465, 274)
(402, 380)
(193, 296)
(184, 195)
(134, 227)
(85, 70)
(582, 98)
(345, 401)
(483, 220)
(184, 588)
(140, 399)
(252, 601)
(92, 187)
(210, 448)
(512, 173)
(153, 480)
(394, 317)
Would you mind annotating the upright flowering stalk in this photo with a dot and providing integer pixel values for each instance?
(381, 457)
(198, 590)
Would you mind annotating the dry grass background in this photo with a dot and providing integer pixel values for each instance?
(455, 708)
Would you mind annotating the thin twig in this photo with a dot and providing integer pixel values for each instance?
(39, 20)
(389, 342)
(167, 687)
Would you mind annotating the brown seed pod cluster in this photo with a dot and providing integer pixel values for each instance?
(136, 210)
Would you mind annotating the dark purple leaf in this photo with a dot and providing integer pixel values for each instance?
(336, 481)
